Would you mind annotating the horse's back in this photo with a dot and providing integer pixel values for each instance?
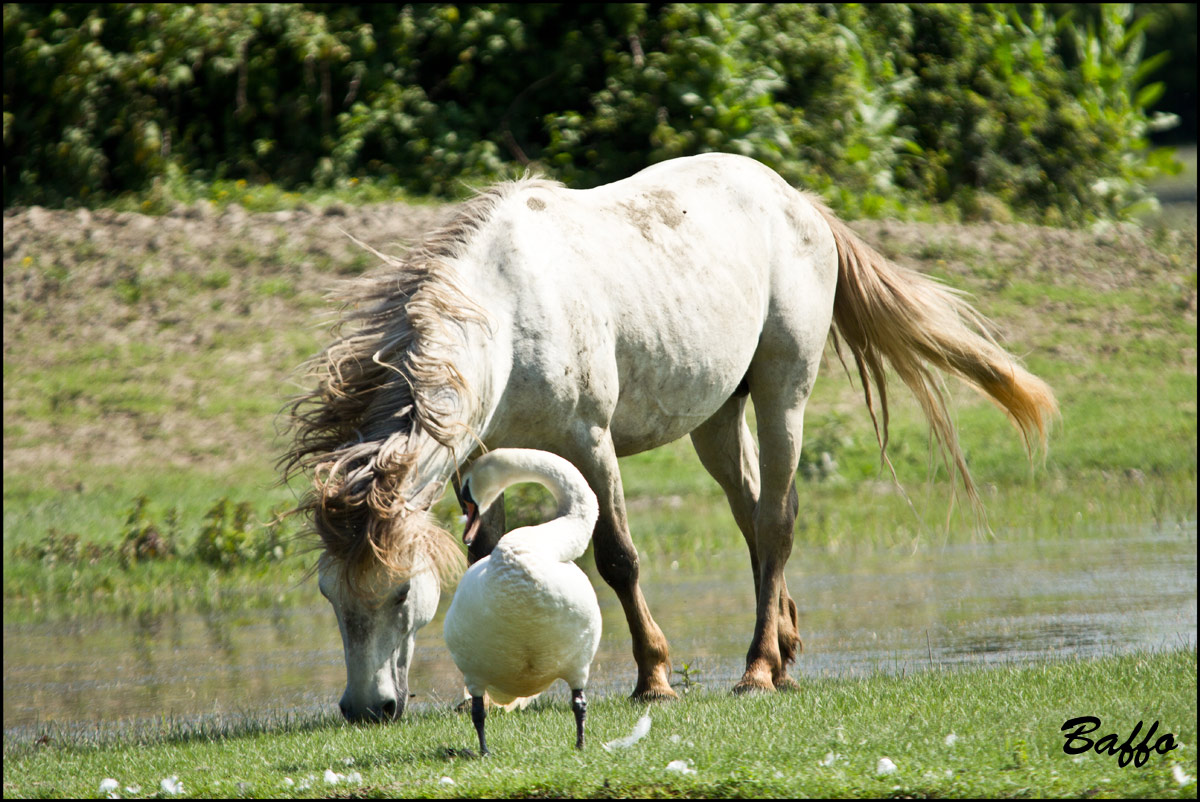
(655, 291)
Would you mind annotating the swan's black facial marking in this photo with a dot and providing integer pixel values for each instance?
(473, 521)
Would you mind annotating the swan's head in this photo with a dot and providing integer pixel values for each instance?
(482, 485)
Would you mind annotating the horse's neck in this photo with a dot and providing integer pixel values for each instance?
(463, 413)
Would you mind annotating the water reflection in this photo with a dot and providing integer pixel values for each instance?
(883, 612)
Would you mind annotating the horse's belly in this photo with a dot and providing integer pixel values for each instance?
(646, 422)
(662, 398)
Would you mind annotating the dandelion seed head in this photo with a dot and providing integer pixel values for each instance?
(831, 758)
(885, 766)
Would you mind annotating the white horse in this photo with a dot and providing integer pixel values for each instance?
(604, 322)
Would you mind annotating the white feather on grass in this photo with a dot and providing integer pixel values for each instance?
(639, 732)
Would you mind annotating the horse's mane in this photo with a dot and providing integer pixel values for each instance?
(378, 387)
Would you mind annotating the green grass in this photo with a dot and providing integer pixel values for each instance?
(824, 741)
(257, 197)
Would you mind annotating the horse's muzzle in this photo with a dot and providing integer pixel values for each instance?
(386, 711)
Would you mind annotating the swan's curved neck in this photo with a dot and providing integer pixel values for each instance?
(571, 529)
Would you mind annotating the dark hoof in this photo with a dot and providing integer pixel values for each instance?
(747, 686)
(654, 695)
(787, 684)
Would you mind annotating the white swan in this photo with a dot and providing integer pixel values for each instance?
(526, 615)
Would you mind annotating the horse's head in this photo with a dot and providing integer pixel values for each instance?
(385, 426)
(383, 577)
(378, 620)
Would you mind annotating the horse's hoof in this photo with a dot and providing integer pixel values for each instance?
(654, 695)
(787, 684)
(752, 686)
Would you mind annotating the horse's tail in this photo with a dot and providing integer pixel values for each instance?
(885, 312)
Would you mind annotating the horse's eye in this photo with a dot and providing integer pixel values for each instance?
(401, 598)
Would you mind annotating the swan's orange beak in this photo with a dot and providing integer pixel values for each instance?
(472, 522)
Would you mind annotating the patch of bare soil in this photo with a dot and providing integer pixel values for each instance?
(171, 307)
(170, 302)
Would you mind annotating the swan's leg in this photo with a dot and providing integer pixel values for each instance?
(579, 706)
(617, 562)
(727, 450)
(779, 400)
(478, 714)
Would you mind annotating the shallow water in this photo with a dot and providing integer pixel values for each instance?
(887, 611)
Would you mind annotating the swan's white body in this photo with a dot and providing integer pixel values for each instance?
(526, 615)
(520, 621)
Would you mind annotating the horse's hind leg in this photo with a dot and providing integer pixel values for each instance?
(779, 400)
(617, 562)
(727, 450)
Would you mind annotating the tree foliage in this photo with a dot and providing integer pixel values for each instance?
(874, 106)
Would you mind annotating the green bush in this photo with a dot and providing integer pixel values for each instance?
(230, 536)
(995, 111)
(874, 106)
(142, 539)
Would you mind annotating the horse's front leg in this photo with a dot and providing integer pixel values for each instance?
(617, 562)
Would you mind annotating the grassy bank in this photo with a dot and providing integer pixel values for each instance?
(969, 733)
